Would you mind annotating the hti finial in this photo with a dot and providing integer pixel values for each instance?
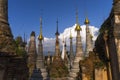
(40, 36)
(40, 25)
(57, 33)
(78, 28)
(86, 21)
(57, 25)
(76, 16)
(24, 38)
(86, 17)
(25, 41)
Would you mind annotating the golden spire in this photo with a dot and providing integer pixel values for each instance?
(78, 28)
(70, 35)
(86, 21)
(40, 36)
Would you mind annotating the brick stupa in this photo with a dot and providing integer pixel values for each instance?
(7, 43)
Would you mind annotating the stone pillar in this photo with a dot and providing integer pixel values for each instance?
(108, 65)
(113, 57)
(116, 33)
(116, 29)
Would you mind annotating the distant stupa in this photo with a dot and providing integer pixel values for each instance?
(40, 56)
(58, 69)
(79, 53)
(32, 53)
(6, 38)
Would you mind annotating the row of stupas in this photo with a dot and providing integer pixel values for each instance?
(99, 63)
(67, 63)
(80, 55)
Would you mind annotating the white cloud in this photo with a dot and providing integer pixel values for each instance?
(49, 43)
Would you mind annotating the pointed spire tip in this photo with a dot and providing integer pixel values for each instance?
(87, 21)
(57, 33)
(40, 36)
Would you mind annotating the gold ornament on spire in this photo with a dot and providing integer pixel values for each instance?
(40, 36)
(86, 21)
(78, 28)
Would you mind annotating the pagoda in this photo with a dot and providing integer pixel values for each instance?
(6, 37)
(79, 53)
(40, 57)
(58, 69)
